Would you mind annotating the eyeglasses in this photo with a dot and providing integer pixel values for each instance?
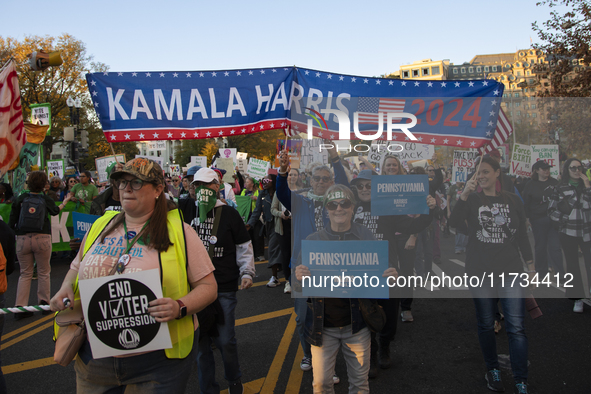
(136, 184)
(176, 180)
(333, 205)
(360, 187)
(324, 179)
(576, 168)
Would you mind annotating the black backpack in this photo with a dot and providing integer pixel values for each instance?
(33, 214)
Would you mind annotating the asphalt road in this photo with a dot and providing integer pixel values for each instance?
(437, 353)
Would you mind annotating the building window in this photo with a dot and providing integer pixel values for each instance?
(463, 70)
(494, 68)
(518, 113)
(533, 106)
(516, 95)
(526, 106)
(518, 73)
(425, 71)
(455, 70)
(486, 69)
(508, 95)
(478, 69)
(471, 70)
(518, 121)
(415, 73)
(405, 74)
(528, 115)
(527, 73)
(435, 70)
(516, 104)
(534, 115)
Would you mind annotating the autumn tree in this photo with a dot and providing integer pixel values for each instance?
(56, 84)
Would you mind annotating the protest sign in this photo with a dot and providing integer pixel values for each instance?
(311, 153)
(156, 145)
(504, 150)
(157, 159)
(41, 115)
(228, 153)
(117, 317)
(241, 155)
(228, 165)
(548, 153)
(521, 160)
(257, 168)
(345, 269)
(55, 168)
(82, 223)
(200, 161)
(399, 194)
(175, 169)
(103, 162)
(463, 164)
(242, 165)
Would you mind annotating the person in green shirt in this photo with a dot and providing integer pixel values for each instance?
(84, 192)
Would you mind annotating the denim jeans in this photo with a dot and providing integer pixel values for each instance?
(147, 373)
(513, 304)
(461, 242)
(356, 351)
(570, 247)
(226, 343)
(546, 243)
(301, 308)
(31, 248)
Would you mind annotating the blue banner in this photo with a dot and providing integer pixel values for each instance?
(142, 106)
(399, 194)
(345, 269)
(82, 223)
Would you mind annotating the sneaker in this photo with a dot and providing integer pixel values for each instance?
(335, 379)
(493, 380)
(273, 282)
(287, 289)
(406, 316)
(236, 388)
(521, 388)
(306, 364)
(498, 326)
(458, 252)
(578, 308)
(261, 258)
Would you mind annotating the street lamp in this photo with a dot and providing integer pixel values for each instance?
(75, 121)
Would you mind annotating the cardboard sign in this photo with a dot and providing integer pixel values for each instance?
(257, 168)
(341, 260)
(82, 223)
(463, 164)
(159, 160)
(228, 153)
(521, 160)
(242, 165)
(399, 194)
(228, 165)
(548, 153)
(116, 312)
(103, 162)
(175, 169)
(241, 155)
(55, 168)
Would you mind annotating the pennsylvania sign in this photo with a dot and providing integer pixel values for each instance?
(143, 106)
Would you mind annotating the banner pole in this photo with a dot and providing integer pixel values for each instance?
(113, 151)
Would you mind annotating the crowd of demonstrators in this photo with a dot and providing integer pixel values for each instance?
(70, 183)
(569, 209)
(251, 189)
(56, 187)
(84, 192)
(174, 187)
(283, 231)
(461, 239)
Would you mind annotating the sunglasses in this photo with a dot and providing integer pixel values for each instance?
(324, 179)
(136, 184)
(360, 187)
(576, 168)
(176, 180)
(333, 205)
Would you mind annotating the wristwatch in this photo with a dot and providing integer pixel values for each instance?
(182, 309)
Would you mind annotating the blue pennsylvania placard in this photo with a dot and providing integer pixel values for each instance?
(345, 269)
(399, 194)
(82, 223)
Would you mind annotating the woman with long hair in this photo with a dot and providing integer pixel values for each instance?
(570, 209)
(497, 234)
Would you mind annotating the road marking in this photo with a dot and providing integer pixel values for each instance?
(262, 262)
(279, 359)
(24, 328)
(295, 377)
(250, 387)
(458, 262)
(26, 335)
(19, 367)
(263, 283)
(263, 316)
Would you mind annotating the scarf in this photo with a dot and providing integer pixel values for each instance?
(206, 199)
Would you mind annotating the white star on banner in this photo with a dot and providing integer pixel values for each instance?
(201, 75)
(250, 72)
(457, 84)
(155, 135)
(134, 74)
(492, 113)
(195, 134)
(93, 83)
(445, 141)
(494, 102)
(420, 139)
(332, 136)
(214, 74)
(274, 70)
(443, 84)
(484, 83)
(119, 74)
(320, 134)
(208, 134)
(96, 105)
(183, 135)
(432, 140)
(459, 142)
(391, 83)
(188, 75)
(285, 68)
(148, 75)
(394, 136)
(490, 123)
(221, 132)
(175, 75)
(262, 72)
(226, 74)
(142, 136)
(232, 131)
(272, 125)
(262, 126)
(406, 139)
(243, 131)
(297, 127)
(329, 76)
(353, 79)
(470, 84)
(378, 82)
(94, 93)
(496, 92)
(317, 75)
(307, 72)
(365, 80)
(417, 84)
(341, 78)
(161, 75)
(488, 133)
(106, 73)
(430, 84)
(403, 83)
(169, 135)
(282, 124)
(127, 136)
(239, 73)
(252, 128)
(113, 137)
(472, 143)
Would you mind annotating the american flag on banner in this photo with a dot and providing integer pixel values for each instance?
(502, 133)
(368, 108)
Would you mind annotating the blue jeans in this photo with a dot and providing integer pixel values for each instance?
(514, 309)
(301, 308)
(461, 241)
(547, 243)
(226, 342)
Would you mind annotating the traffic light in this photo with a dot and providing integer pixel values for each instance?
(84, 139)
(74, 155)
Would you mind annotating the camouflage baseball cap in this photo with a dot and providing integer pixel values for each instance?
(142, 168)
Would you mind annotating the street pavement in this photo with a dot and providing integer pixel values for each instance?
(437, 353)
